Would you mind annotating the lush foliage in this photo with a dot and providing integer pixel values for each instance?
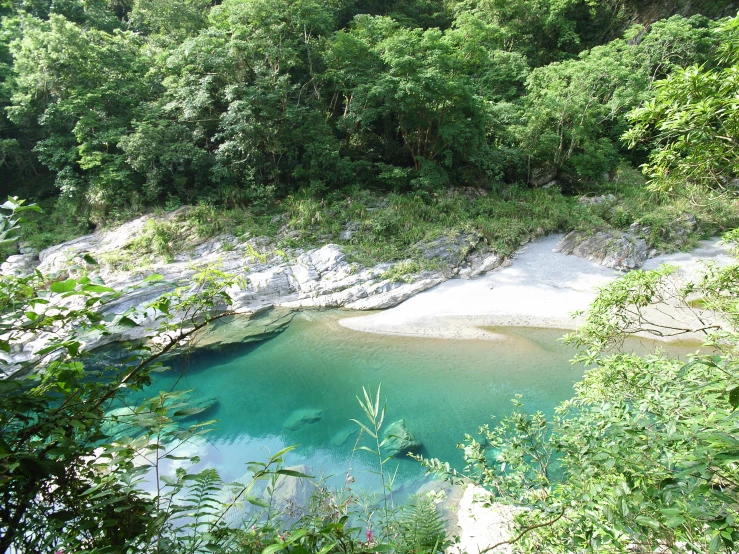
(133, 105)
(692, 123)
(644, 456)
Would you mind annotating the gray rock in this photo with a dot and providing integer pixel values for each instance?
(542, 175)
(127, 422)
(399, 440)
(300, 418)
(351, 229)
(202, 405)
(683, 227)
(596, 200)
(450, 249)
(25, 249)
(119, 423)
(614, 249)
(19, 265)
(394, 296)
(239, 330)
(478, 263)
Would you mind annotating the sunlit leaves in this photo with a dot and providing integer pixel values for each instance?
(691, 125)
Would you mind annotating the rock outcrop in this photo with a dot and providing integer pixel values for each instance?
(271, 278)
(20, 265)
(450, 249)
(613, 249)
(482, 523)
(629, 249)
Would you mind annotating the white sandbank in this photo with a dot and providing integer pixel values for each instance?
(538, 288)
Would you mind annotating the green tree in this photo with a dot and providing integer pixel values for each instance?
(82, 85)
(691, 124)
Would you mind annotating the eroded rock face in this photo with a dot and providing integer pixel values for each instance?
(316, 278)
(20, 265)
(399, 440)
(478, 263)
(625, 250)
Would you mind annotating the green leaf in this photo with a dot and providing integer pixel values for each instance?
(61, 287)
(257, 501)
(293, 473)
(734, 397)
(272, 548)
(97, 288)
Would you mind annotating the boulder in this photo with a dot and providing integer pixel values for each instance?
(597, 200)
(300, 418)
(399, 440)
(120, 423)
(478, 263)
(19, 265)
(542, 175)
(125, 421)
(450, 249)
(389, 298)
(237, 330)
(622, 251)
(350, 229)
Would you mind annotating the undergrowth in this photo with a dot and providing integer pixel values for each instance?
(375, 227)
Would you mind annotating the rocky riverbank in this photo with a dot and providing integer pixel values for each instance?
(540, 288)
(286, 279)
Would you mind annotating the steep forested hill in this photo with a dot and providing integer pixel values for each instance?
(111, 108)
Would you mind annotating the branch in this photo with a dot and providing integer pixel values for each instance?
(522, 533)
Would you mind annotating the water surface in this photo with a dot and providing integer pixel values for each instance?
(441, 388)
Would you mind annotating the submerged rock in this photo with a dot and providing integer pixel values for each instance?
(237, 330)
(342, 437)
(300, 418)
(399, 440)
(130, 422)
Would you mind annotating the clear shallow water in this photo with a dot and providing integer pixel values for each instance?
(441, 388)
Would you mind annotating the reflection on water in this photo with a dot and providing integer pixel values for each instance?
(316, 368)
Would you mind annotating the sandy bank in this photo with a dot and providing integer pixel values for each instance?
(538, 288)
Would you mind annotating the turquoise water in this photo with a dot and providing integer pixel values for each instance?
(441, 388)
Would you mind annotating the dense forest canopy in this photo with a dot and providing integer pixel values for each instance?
(112, 105)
